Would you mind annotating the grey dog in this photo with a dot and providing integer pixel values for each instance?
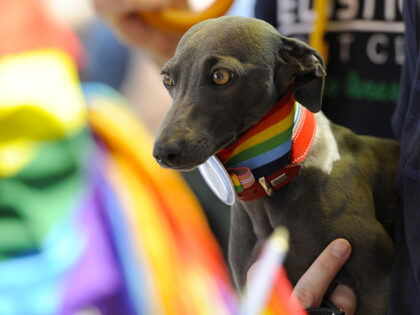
(226, 74)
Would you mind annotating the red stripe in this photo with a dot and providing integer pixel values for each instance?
(302, 141)
(281, 300)
(279, 112)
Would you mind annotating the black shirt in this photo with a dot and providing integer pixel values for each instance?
(366, 51)
(405, 282)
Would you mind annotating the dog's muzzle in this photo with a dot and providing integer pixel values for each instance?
(167, 155)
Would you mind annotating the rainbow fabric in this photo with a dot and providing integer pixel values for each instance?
(265, 147)
(182, 268)
(89, 223)
(114, 231)
(94, 224)
(242, 178)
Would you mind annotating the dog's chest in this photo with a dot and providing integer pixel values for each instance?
(306, 223)
(288, 207)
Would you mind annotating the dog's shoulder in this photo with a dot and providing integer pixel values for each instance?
(365, 159)
(337, 151)
(363, 147)
(325, 150)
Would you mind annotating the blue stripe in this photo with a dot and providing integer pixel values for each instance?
(266, 158)
(33, 284)
(133, 267)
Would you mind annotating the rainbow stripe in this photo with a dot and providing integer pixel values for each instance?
(245, 177)
(139, 242)
(265, 142)
(236, 182)
(182, 264)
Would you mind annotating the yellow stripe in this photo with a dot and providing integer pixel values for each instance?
(170, 257)
(235, 180)
(150, 233)
(40, 99)
(317, 37)
(44, 81)
(268, 133)
(15, 156)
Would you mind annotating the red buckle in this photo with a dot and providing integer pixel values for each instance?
(274, 181)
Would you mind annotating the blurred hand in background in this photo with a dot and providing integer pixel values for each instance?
(122, 16)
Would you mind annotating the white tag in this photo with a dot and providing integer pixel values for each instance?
(218, 179)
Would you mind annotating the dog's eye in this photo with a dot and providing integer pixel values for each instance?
(221, 76)
(167, 79)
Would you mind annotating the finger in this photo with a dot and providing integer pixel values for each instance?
(311, 288)
(344, 298)
(116, 7)
(179, 4)
(133, 31)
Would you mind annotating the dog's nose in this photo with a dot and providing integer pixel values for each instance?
(167, 154)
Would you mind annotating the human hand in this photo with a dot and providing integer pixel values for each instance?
(123, 17)
(311, 288)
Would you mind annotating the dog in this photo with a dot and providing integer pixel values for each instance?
(229, 74)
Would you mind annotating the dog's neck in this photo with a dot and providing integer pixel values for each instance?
(267, 156)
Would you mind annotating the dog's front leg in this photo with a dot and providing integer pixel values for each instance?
(242, 243)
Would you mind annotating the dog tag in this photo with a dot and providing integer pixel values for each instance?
(218, 179)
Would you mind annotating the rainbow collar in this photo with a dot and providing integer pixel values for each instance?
(267, 156)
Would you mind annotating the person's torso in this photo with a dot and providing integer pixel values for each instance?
(365, 54)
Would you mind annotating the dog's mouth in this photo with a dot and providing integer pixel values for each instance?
(191, 156)
(225, 143)
(184, 168)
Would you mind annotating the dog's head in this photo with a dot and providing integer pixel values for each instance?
(225, 75)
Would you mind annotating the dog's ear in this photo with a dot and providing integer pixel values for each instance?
(309, 85)
(309, 73)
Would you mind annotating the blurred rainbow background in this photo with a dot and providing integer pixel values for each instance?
(89, 223)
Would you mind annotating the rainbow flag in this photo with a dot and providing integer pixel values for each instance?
(114, 230)
(93, 221)
(266, 143)
(184, 271)
(89, 223)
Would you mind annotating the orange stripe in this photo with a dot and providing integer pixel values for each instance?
(266, 134)
(280, 111)
(281, 300)
(302, 141)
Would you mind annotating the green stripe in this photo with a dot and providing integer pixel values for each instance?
(43, 192)
(239, 189)
(261, 148)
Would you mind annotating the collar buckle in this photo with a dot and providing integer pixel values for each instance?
(279, 179)
(266, 186)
